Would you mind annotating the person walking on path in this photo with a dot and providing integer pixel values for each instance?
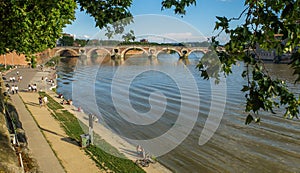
(16, 89)
(40, 101)
(12, 89)
(45, 100)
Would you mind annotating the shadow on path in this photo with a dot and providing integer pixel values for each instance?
(130, 152)
(33, 104)
(50, 131)
(71, 141)
(64, 138)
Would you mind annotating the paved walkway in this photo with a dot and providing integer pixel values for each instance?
(116, 141)
(37, 144)
(69, 153)
(71, 156)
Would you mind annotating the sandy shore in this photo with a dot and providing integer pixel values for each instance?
(116, 141)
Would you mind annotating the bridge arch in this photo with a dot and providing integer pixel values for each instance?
(168, 49)
(82, 51)
(71, 51)
(89, 53)
(133, 48)
(196, 50)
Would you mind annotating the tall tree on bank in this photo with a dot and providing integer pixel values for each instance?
(66, 40)
(30, 26)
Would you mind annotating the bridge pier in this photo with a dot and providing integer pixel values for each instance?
(184, 54)
(152, 57)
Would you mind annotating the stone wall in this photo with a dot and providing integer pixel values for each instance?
(20, 60)
(13, 59)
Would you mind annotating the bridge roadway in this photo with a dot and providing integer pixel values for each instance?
(122, 50)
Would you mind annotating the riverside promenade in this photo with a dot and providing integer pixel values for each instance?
(47, 141)
(70, 156)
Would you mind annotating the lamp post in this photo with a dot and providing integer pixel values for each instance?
(91, 126)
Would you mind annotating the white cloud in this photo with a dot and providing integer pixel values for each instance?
(82, 36)
(176, 37)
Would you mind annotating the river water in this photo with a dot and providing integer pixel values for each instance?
(142, 99)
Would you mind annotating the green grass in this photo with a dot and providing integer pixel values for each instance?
(52, 104)
(53, 61)
(74, 128)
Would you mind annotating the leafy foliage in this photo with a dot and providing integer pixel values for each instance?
(129, 36)
(264, 22)
(179, 6)
(66, 40)
(110, 14)
(32, 26)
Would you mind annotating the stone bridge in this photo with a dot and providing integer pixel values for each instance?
(121, 51)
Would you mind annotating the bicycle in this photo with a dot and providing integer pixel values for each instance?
(144, 162)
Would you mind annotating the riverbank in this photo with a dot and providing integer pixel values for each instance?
(57, 138)
(122, 146)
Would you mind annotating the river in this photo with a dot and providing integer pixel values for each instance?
(164, 92)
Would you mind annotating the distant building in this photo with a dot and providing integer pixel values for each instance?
(271, 55)
(144, 41)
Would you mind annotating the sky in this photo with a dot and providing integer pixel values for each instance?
(152, 23)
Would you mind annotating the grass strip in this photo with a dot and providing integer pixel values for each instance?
(101, 156)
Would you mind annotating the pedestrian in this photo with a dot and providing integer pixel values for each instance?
(34, 87)
(139, 150)
(17, 73)
(45, 100)
(12, 89)
(40, 101)
(16, 89)
(8, 89)
(29, 88)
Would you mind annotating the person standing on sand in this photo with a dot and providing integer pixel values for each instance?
(139, 150)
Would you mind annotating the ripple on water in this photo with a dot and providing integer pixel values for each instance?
(272, 146)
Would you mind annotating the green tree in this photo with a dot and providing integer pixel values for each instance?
(81, 42)
(66, 40)
(129, 36)
(31, 26)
